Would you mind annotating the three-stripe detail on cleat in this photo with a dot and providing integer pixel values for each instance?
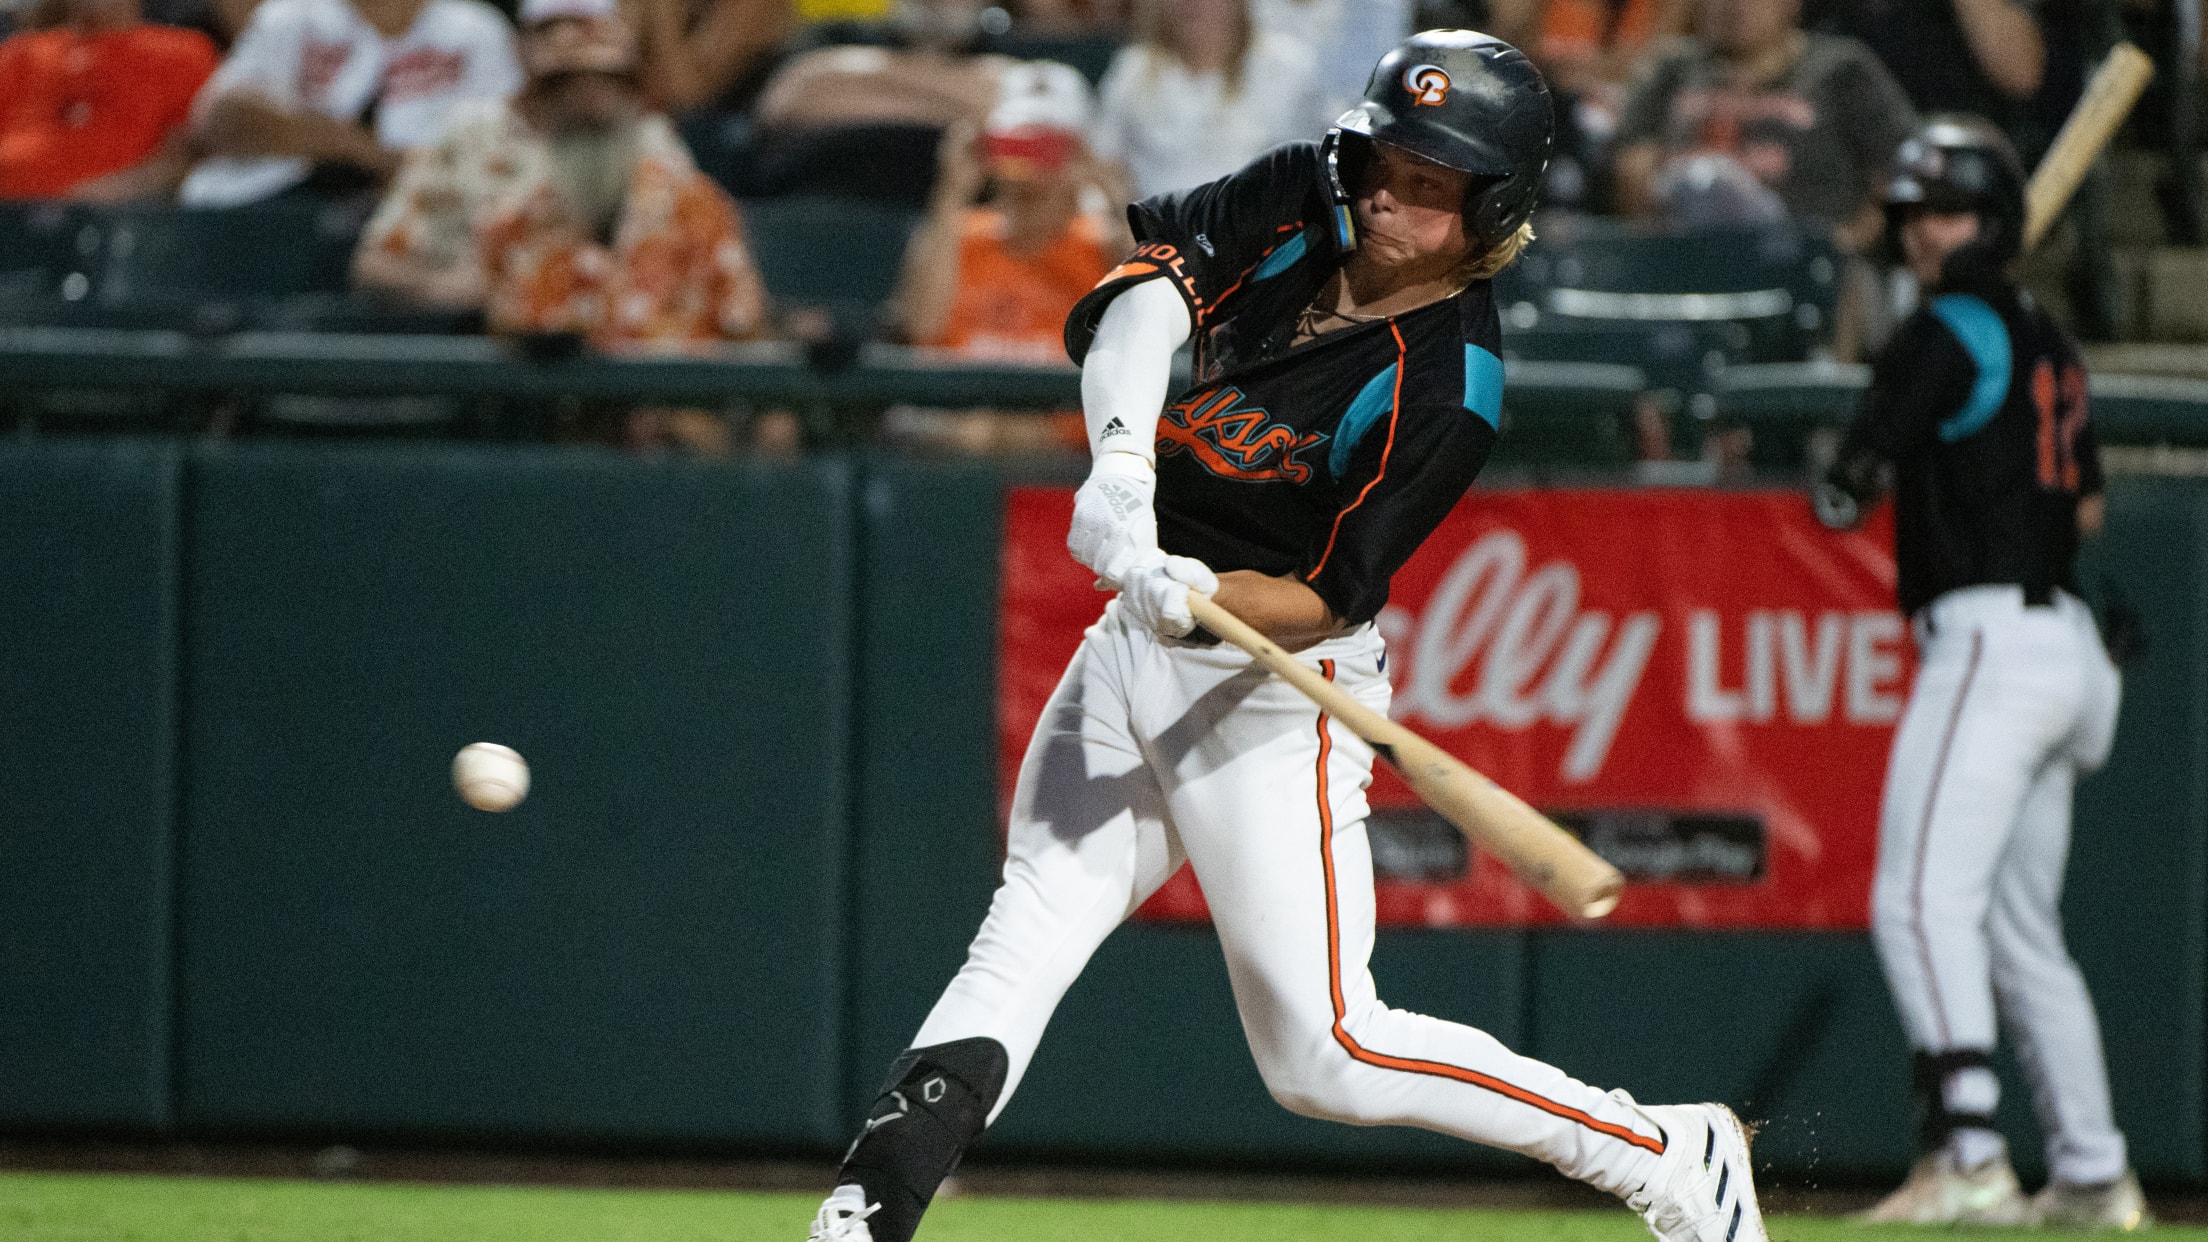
(1724, 1179)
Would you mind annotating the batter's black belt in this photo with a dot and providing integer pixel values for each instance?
(2034, 597)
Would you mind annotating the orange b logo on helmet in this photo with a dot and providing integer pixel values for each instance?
(1428, 84)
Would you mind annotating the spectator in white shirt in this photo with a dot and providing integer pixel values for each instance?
(301, 85)
(1346, 38)
(1201, 93)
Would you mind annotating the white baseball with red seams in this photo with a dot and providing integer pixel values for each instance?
(2011, 705)
(490, 777)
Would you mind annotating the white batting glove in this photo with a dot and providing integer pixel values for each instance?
(1834, 507)
(1113, 522)
(1155, 592)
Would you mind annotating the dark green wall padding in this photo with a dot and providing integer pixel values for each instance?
(924, 805)
(650, 947)
(87, 776)
(237, 894)
(2136, 908)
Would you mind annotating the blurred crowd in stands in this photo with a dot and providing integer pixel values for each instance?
(609, 169)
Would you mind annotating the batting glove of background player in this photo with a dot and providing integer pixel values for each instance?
(1155, 592)
(1113, 523)
(1834, 507)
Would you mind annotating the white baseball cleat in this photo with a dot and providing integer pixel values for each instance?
(1703, 1189)
(2109, 1205)
(1939, 1191)
(843, 1216)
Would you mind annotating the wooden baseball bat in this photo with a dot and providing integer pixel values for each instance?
(2107, 101)
(1491, 817)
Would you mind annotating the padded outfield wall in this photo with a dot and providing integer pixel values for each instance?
(237, 896)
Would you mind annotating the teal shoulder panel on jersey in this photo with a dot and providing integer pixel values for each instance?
(1281, 259)
(1483, 385)
(1986, 339)
(1372, 402)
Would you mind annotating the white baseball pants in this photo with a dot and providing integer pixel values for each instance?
(1151, 751)
(2010, 704)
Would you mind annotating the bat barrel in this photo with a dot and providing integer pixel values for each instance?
(2108, 99)
(1492, 818)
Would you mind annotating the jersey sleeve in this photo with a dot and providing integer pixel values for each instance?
(266, 58)
(1207, 240)
(1923, 376)
(494, 61)
(2088, 448)
(194, 62)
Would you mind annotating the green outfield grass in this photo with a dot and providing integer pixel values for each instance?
(94, 1208)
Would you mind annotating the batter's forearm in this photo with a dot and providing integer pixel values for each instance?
(1282, 609)
(1129, 366)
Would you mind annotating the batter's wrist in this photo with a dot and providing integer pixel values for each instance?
(1127, 464)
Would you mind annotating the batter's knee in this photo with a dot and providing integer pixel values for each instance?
(1316, 1082)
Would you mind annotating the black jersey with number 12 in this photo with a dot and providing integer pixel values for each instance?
(1980, 403)
(1331, 460)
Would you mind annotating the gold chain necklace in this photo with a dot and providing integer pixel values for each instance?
(1315, 322)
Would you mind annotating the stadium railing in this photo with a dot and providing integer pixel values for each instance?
(1797, 397)
(1563, 396)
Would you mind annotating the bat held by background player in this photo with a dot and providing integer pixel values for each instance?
(1491, 817)
(2101, 110)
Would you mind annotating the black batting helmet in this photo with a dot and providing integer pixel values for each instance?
(1962, 163)
(1464, 100)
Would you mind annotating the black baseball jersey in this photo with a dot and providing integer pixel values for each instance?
(1331, 460)
(1979, 402)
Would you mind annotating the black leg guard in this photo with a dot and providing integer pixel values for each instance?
(937, 1101)
(1931, 1072)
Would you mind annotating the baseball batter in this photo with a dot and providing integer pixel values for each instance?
(1347, 390)
(1979, 408)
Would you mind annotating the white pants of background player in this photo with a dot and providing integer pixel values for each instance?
(1150, 751)
(2011, 703)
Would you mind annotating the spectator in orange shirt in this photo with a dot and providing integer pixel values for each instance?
(1582, 45)
(572, 208)
(996, 280)
(95, 108)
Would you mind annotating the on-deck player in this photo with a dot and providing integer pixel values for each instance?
(1979, 407)
(1346, 392)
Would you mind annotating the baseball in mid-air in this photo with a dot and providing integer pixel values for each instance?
(490, 777)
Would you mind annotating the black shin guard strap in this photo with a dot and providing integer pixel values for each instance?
(1931, 1072)
(936, 1102)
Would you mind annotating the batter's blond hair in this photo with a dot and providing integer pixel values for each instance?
(1498, 257)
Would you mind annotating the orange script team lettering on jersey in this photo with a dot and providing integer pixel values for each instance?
(1234, 440)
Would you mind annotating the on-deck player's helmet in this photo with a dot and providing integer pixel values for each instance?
(1962, 163)
(1465, 100)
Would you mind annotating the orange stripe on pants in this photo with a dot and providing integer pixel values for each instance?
(1406, 1064)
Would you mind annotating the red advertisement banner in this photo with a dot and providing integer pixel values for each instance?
(1703, 685)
